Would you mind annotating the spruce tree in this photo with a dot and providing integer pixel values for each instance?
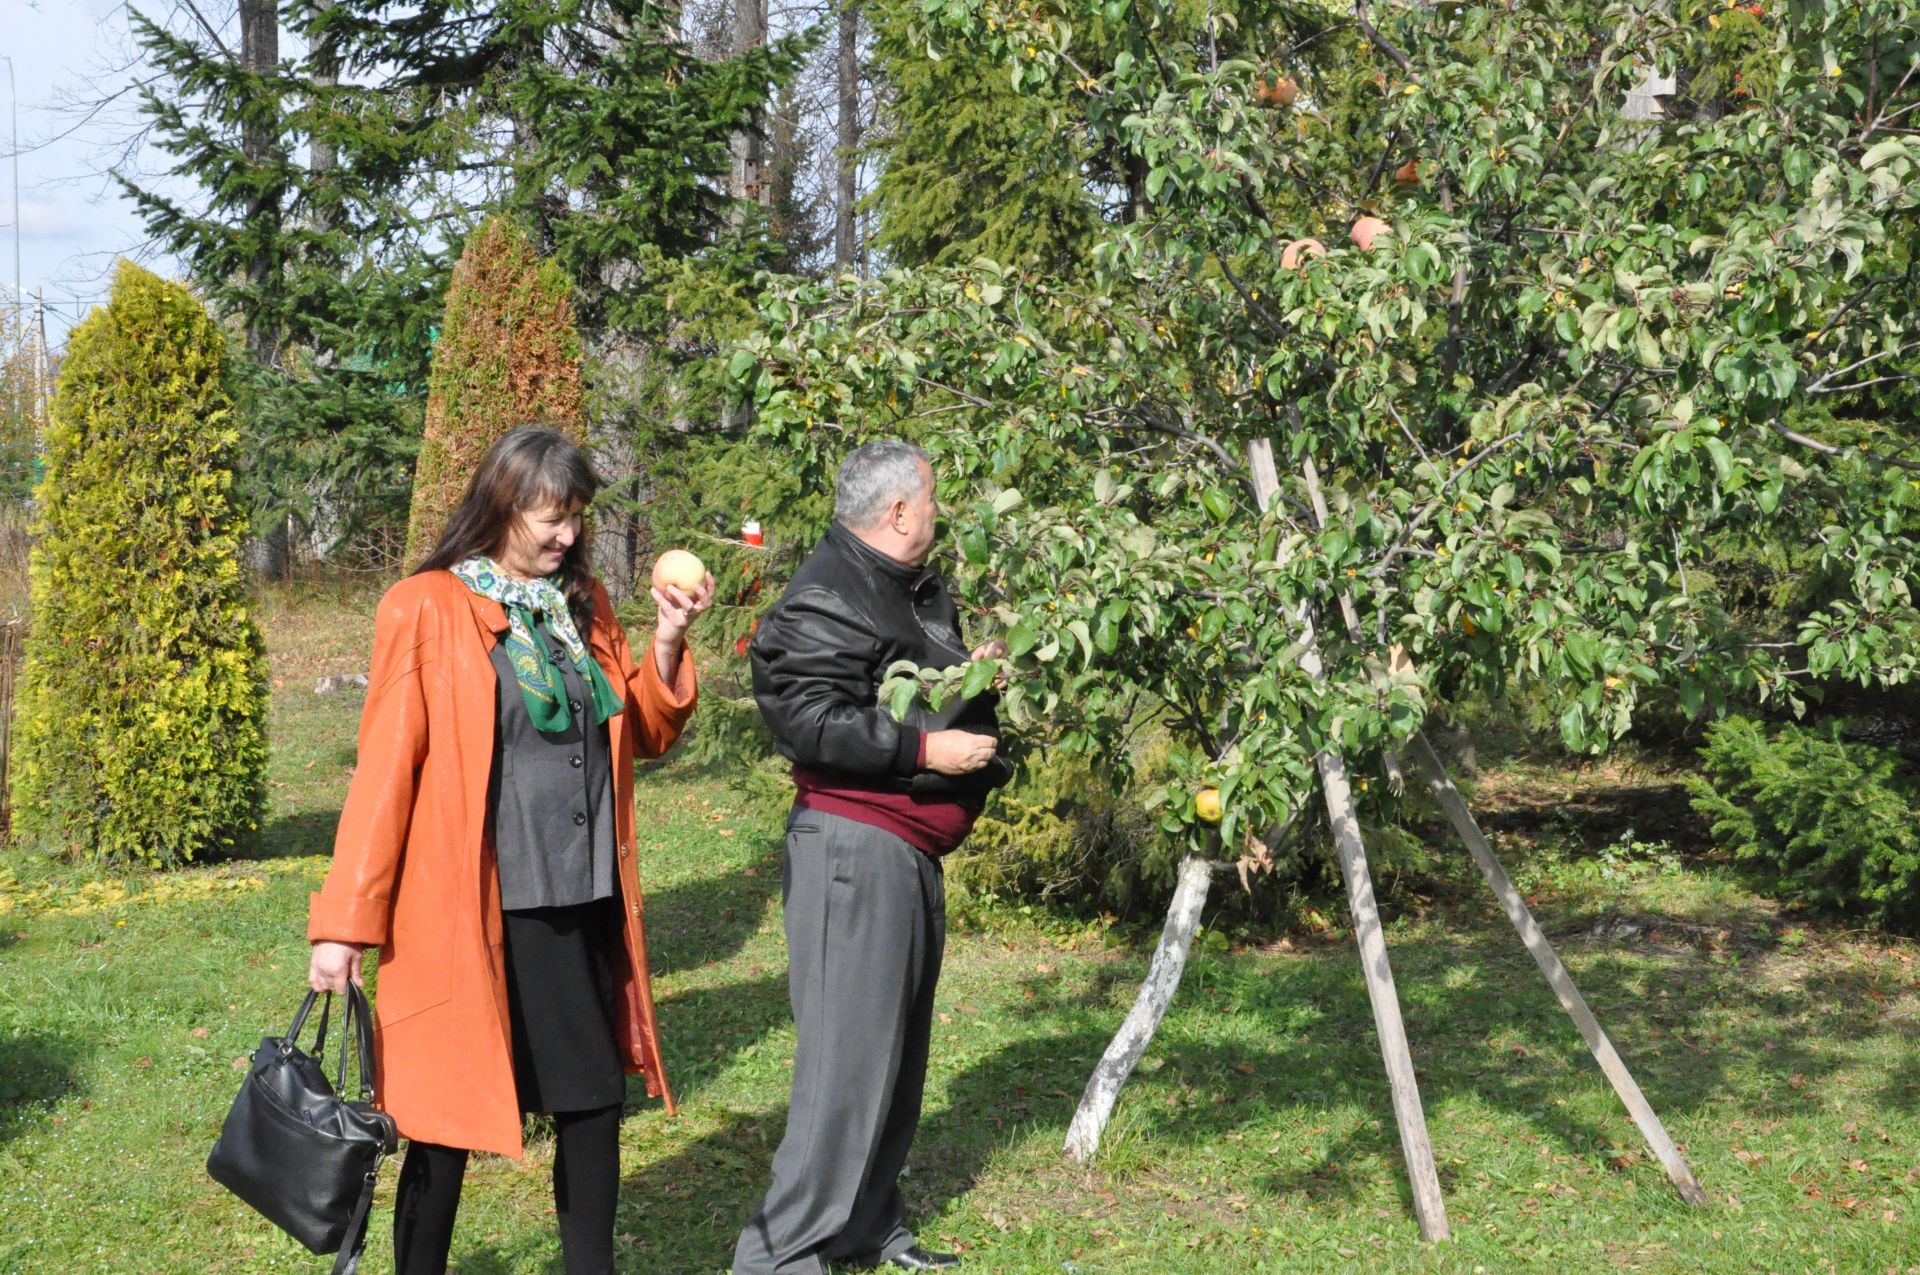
(971, 168)
(508, 355)
(140, 729)
(590, 119)
(324, 269)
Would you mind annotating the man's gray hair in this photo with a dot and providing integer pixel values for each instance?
(872, 477)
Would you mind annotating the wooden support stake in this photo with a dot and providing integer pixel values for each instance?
(1428, 1205)
(1549, 962)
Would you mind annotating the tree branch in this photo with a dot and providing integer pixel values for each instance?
(1831, 449)
(1374, 37)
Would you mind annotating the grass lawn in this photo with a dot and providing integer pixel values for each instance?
(1783, 1056)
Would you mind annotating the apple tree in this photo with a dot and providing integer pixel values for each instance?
(1641, 284)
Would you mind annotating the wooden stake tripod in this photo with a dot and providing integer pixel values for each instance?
(1170, 958)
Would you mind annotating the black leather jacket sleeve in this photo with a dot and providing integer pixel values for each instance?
(813, 669)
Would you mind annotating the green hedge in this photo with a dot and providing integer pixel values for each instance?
(140, 723)
(1832, 821)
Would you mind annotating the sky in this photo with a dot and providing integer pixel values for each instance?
(74, 223)
(75, 70)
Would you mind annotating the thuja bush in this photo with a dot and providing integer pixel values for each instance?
(1829, 819)
(140, 724)
(508, 354)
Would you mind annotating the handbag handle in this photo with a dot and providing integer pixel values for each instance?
(292, 1039)
(356, 1031)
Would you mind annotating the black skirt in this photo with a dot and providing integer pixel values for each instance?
(560, 999)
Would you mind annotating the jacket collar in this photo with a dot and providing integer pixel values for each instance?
(491, 615)
(910, 578)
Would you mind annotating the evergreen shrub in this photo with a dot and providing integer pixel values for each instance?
(1832, 821)
(140, 727)
(508, 355)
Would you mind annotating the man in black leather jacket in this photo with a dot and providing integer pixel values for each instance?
(878, 802)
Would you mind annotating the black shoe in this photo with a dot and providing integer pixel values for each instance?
(920, 1259)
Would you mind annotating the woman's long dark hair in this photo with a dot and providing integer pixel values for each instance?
(529, 468)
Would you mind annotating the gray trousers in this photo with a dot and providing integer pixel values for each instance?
(866, 918)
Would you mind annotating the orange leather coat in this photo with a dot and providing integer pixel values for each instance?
(414, 873)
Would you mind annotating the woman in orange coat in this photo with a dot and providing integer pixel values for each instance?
(486, 849)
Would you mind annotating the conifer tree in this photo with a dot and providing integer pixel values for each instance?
(508, 355)
(325, 270)
(971, 168)
(140, 730)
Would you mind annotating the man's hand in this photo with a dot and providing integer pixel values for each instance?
(959, 752)
(332, 965)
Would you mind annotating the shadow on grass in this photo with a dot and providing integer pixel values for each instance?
(705, 1029)
(1485, 1031)
(36, 1069)
(291, 836)
(710, 918)
(685, 1212)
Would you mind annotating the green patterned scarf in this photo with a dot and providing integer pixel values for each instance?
(540, 682)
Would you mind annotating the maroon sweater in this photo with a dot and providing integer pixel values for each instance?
(936, 827)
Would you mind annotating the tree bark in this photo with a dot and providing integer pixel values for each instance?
(259, 55)
(845, 227)
(1149, 1007)
(322, 156)
(1136, 188)
(749, 144)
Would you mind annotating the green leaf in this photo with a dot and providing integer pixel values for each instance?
(1647, 346)
(980, 675)
(1722, 458)
(1881, 152)
(1079, 630)
(973, 545)
(902, 699)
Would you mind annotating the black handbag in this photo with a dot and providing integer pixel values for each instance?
(302, 1155)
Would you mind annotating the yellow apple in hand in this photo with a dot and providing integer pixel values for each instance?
(678, 567)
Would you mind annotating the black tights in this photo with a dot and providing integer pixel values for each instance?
(586, 1184)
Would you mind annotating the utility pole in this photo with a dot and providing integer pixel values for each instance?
(42, 391)
(13, 99)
